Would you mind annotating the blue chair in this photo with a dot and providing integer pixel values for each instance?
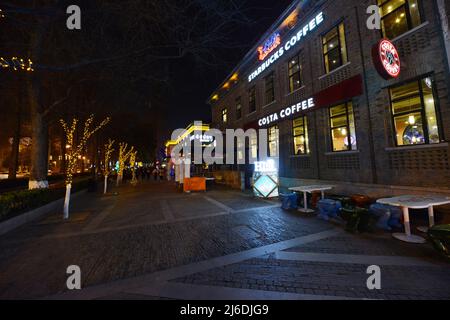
(388, 216)
(329, 208)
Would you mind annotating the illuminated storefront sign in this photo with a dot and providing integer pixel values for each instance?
(265, 166)
(386, 59)
(269, 46)
(204, 138)
(287, 112)
(303, 32)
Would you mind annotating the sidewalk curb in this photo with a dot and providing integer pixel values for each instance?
(13, 223)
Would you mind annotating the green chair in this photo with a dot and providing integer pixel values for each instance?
(440, 238)
(358, 219)
(345, 201)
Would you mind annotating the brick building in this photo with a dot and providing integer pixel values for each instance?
(357, 126)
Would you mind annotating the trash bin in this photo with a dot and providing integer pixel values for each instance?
(289, 201)
(387, 216)
(440, 238)
(328, 208)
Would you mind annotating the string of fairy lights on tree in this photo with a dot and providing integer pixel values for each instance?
(75, 151)
(124, 155)
(16, 64)
(108, 153)
(133, 157)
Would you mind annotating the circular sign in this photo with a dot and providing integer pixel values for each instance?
(387, 59)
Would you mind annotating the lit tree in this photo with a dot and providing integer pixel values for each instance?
(74, 151)
(133, 167)
(203, 36)
(124, 155)
(106, 168)
(16, 64)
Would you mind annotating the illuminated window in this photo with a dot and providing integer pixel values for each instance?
(342, 125)
(399, 16)
(238, 108)
(300, 132)
(254, 146)
(252, 100)
(224, 115)
(413, 108)
(295, 73)
(273, 141)
(270, 88)
(240, 154)
(334, 48)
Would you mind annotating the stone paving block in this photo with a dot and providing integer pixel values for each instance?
(348, 280)
(32, 264)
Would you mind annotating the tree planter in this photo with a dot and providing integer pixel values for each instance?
(15, 222)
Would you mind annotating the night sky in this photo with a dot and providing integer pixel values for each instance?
(193, 84)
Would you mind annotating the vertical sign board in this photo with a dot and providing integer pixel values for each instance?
(265, 179)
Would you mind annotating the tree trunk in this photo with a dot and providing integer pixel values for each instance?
(39, 125)
(67, 201)
(62, 167)
(39, 141)
(105, 189)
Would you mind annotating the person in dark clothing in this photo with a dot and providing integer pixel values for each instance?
(155, 173)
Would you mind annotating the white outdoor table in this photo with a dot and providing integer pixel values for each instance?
(414, 202)
(310, 189)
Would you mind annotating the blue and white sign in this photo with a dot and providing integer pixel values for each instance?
(265, 179)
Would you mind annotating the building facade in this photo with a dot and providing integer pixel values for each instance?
(334, 111)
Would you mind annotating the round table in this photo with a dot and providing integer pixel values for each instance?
(310, 189)
(414, 202)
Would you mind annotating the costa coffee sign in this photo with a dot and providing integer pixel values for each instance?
(386, 59)
(287, 112)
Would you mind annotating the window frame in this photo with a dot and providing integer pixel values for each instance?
(225, 115)
(297, 56)
(252, 100)
(238, 108)
(339, 48)
(277, 138)
(347, 127)
(409, 22)
(422, 111)
(305, 135)
(271, 89)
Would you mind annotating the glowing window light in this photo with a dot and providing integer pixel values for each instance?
(16, 64)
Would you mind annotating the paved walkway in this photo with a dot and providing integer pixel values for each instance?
(151, 242)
